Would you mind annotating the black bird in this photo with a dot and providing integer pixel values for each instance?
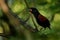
(41, 20)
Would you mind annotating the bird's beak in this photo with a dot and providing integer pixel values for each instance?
(30, 10)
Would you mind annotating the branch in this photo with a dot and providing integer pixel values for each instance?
(3, 35)
(34, 23)
(52, 17)
(26, 4)
(14, 20)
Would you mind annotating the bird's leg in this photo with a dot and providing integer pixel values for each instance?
(44, 29)
(41, 29)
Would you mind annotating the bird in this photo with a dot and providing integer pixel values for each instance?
(40, 19)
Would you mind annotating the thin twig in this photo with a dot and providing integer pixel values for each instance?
(26, 4)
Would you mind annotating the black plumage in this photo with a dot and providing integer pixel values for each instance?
(41, 20)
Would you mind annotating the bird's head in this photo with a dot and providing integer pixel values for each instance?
(33, 10)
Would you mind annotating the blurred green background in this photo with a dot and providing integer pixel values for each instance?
(49, 8)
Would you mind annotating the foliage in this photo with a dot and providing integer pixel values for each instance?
(48, 8)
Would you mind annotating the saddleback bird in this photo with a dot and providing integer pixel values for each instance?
(41, 20)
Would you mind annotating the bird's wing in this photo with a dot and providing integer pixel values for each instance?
(41, 18)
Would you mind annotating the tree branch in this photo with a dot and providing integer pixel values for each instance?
(14, 19)
(26, 4)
